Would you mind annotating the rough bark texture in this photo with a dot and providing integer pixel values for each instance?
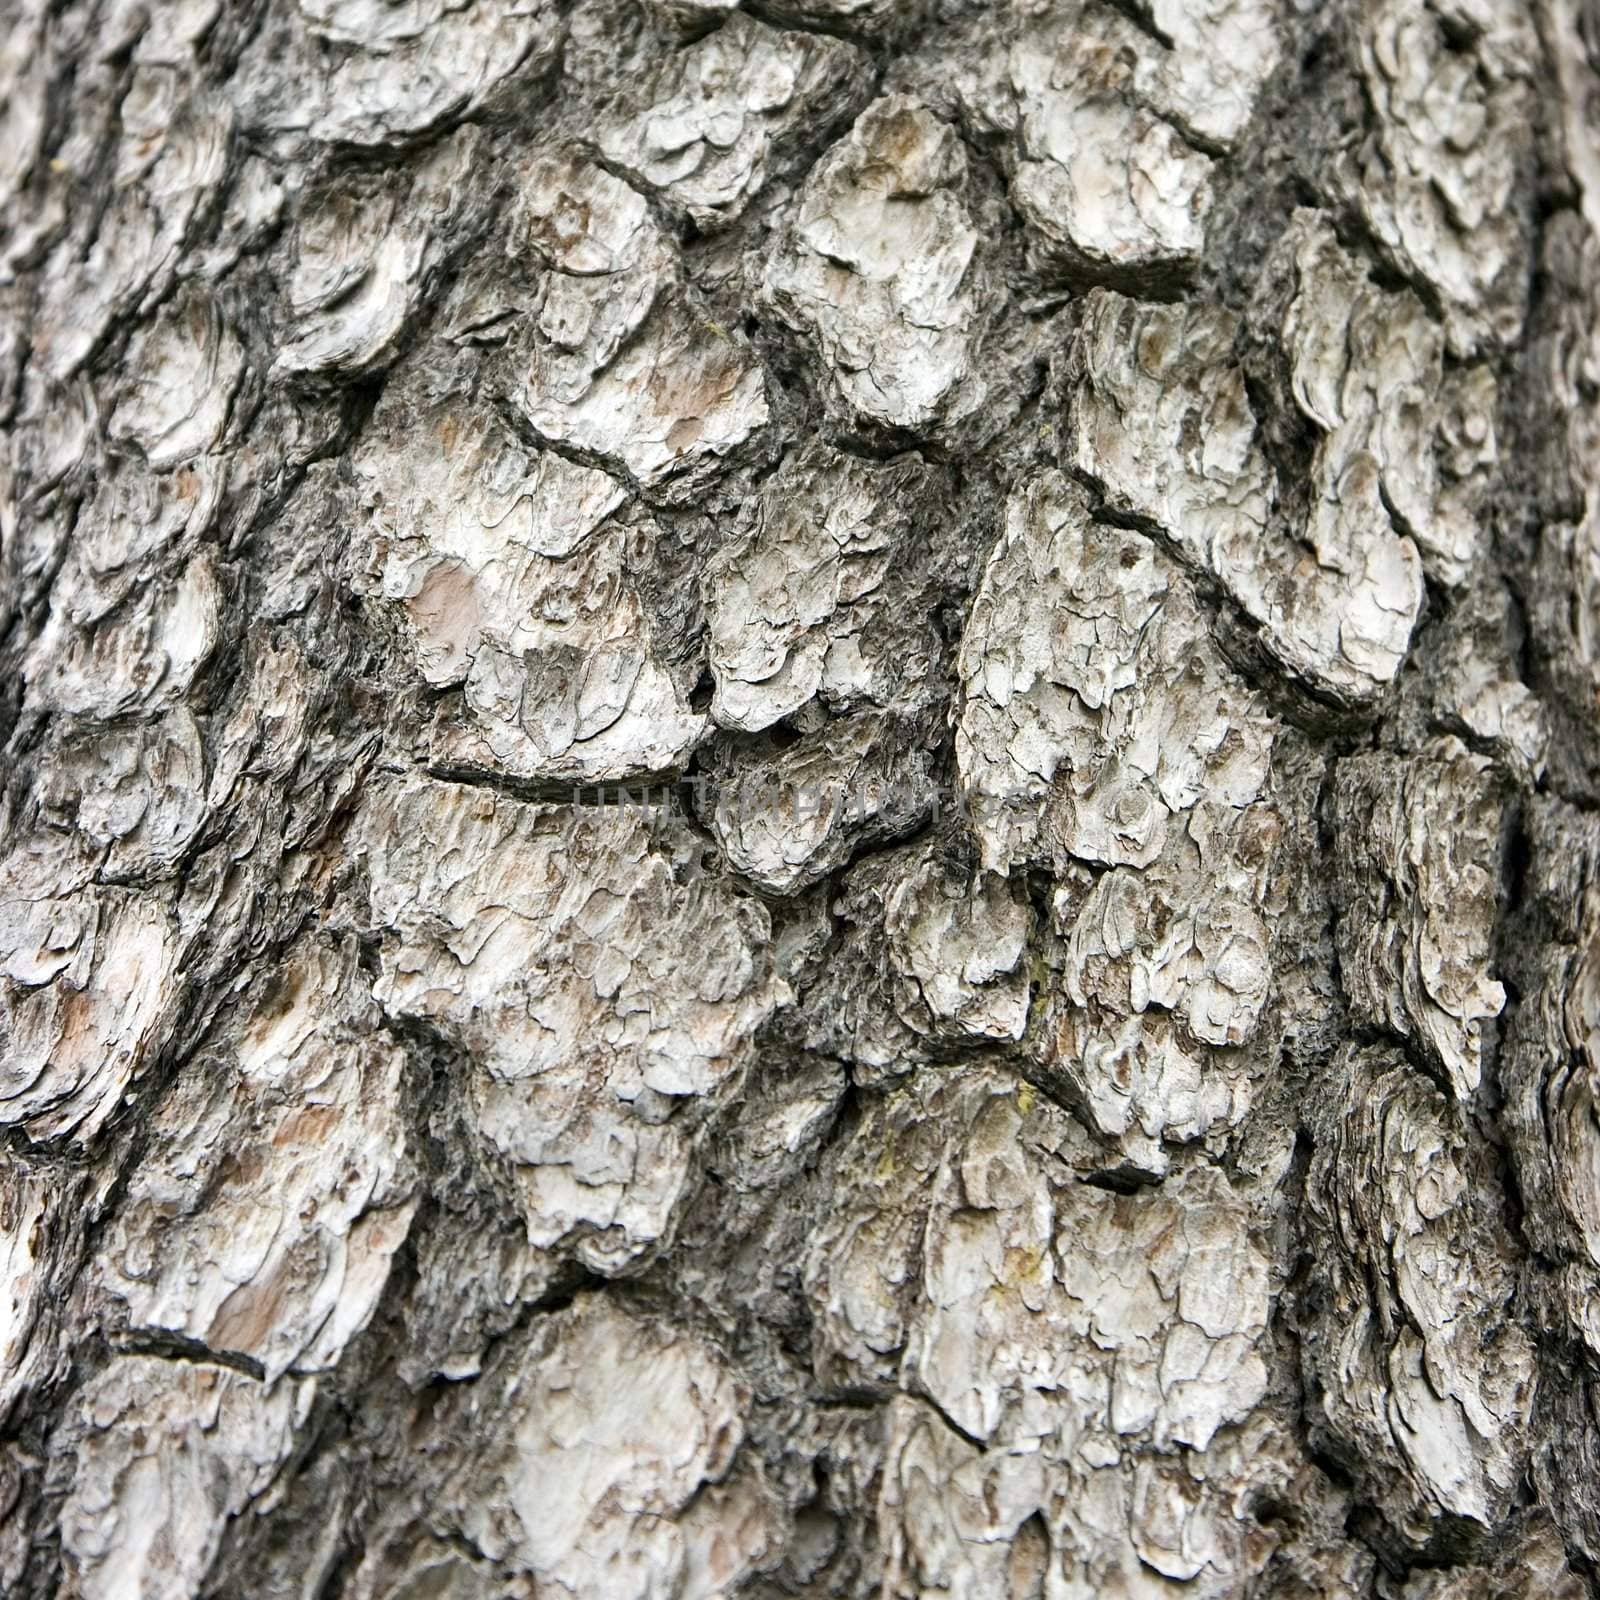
(1081, 1077)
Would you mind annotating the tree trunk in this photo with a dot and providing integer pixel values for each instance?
(799, 801)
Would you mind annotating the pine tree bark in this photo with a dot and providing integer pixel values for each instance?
(799, 800)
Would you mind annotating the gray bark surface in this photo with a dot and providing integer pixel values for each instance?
(799, 800)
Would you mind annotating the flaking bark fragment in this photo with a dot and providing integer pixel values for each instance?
(168, 159)
(163, 1454)
(880, 270)
(533, 937)
(959, 951)
(1450, 86)
(1416, 847)
(1160, 422)
(366, 252)
(1420, 1379)
(1098, 724)
(372, 76)
(716, 116)
(816, 594)
(1057, 1353)
(266, 1213)
(786, 819)
(1092, 717)
(607, 1462)
(1551, 1068)
(1367, 370)
(1218, 56)
(620, 362)
(933, 959)
(1114, 193)
(1108, 124)
(499, 563)
(88, 990)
